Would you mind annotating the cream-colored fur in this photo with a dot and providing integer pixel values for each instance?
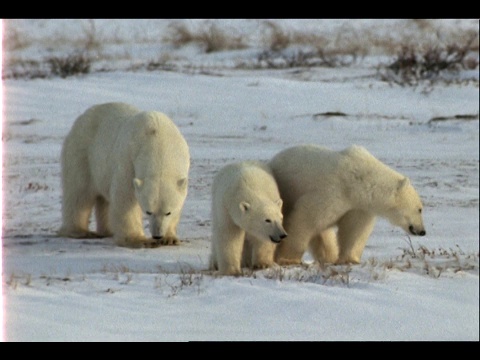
(123, 162)
(246, 218)
(331, 200)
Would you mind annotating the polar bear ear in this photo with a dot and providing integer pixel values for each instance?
(279, 203)
(402, 184)
(137, 183)
(244, 206)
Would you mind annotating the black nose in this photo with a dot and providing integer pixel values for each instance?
(274, 239)
(283, 236)
(420, 233)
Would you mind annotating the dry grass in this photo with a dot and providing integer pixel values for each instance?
(421, 260)
(73, 64)
(54, 66)
(418, 49)
(276, 38)
(15, 40)
(413, 64)
(211, 38)
(300, 58)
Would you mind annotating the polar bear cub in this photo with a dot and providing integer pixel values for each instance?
(246, 217)
(124, 162)
(331, 200)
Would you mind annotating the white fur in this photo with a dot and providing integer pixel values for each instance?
(246, 217)
(325, 190)
(124, 162)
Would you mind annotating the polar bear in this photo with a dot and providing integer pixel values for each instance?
(246, 217)
(331, 200)
(122, 162)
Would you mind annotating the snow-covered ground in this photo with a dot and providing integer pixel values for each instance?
(406, 288)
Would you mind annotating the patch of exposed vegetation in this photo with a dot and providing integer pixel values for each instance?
(211, 38)
(420, 51)
(414, 64)
(70, 65)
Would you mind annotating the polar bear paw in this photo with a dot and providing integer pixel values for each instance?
(79, 234)
(169, 240)
(286, 262)
(263, 265)
(137, 242)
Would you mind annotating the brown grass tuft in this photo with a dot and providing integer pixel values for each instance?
(211, 38)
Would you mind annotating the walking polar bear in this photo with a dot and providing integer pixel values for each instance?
(122, 162)
(324, 191)
(246, 218)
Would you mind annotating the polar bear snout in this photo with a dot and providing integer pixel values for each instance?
(414, 231)
(156, 228)
(278, 237)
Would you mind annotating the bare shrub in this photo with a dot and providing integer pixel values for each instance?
(434, 262)
(186, 278)
(92, 38)
(73, 64)
(412, 65)
(163, 62)
(12, 281)
(15, 40)
(215, 39)
(26, 69)
(211, 38)
(422, 24)
(276, 38)
(179, 35)
(309, 273)
(300, 58)
(70, 65)
(280, 60)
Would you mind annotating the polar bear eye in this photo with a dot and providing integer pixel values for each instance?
(420, 211)
(268, 220)
(148, 212)
(168, 213)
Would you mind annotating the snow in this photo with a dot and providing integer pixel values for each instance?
(406, 288)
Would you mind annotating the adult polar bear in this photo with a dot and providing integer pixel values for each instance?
(123, 161)
(323, 190)
(246, 217)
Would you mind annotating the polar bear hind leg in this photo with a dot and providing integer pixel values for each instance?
(101, 216)
(77, 199)
(324, 246)
(354, 229)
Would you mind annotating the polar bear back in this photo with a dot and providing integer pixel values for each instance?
(319, 169)
(118, 135)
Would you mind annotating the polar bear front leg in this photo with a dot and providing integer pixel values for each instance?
(125, 217)
(247, 253)
(300, 224)
(227, 245)
(354, 229)
(170, 237)
(261, 252)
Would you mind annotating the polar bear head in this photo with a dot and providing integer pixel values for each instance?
(162, 202)
(407, 210)
(263, 219)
